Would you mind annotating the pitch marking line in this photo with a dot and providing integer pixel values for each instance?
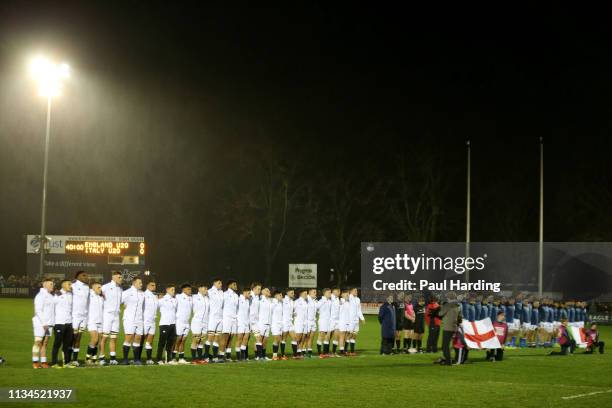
(586, 395)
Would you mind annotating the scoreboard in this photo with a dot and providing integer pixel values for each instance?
(99, 256)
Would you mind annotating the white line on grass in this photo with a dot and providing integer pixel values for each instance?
(586, 395)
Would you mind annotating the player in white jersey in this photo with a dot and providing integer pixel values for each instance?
(254, 312)
(311, 300)
(300, 323)
(110, 321)
(199, 325)
(264, 321)
(324, 309)
(276, 327)
(80, 305)
(288, 323)
(335, 315)
(215, 316)
(184, 305)
(42, 322)
(95, 314)
(242, 335)
(151, 304)
(62, 327)
(344, 321)
(133, 320)
(356, 318)
(230, 320)
(167, 325)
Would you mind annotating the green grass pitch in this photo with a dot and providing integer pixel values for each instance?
(527, 378)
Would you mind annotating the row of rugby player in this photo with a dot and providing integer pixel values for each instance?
(215, 317)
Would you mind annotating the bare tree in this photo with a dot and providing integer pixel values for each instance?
(418, 194)
(340, 212)
(256, 208)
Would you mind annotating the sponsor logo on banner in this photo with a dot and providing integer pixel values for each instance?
(303, 275)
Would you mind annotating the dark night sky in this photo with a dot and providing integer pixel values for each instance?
(164, 100)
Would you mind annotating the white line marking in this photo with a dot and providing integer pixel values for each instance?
(586, 395)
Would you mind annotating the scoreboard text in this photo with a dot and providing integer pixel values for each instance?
(106, 247)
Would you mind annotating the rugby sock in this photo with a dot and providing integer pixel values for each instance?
(319, 347)
(181, 356)
(294, 347)
(113, 356)
(238, 352)
(126, 350)
(263, 352)
(194, 353)
(90, 352)
(200, 351)
(246, 352)
(207, 349)
(137, 351)
(94, 355)
(174, 355)
(274, 350)
(258, 350)
(309, 352)
(346, 345)
(43, 359)
(75, 354)
(352, 343)
(149, 350)
(334, 346)
(282, 347)
(326, 347)
(215, 349)
(35, 359)
(243, 352)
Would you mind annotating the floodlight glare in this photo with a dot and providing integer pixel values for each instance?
(49, 76)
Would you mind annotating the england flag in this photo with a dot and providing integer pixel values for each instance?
(480, 334)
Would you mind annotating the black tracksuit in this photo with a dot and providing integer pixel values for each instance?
(62, 334)
(167, 335)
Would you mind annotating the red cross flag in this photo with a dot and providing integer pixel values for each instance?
(480, 334)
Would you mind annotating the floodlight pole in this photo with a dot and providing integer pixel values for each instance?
(43, 218)
(541, 238)
(468, 207)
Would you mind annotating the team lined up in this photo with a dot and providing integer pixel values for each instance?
(531, 322)
(217, 319)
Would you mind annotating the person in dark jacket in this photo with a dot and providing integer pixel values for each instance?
(399, 320)
(386, 317)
